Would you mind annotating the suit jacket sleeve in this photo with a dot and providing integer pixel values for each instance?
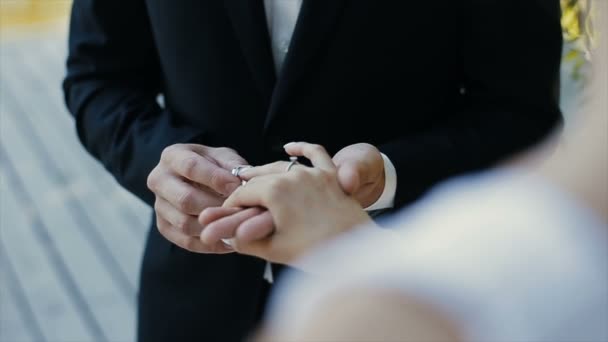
(510, 58)
(113, 80)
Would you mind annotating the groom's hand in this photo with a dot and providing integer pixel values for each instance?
(188, 179)
(361, 172)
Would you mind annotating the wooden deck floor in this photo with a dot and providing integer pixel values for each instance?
(71, 240)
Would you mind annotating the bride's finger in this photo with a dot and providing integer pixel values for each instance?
(317, 154)
(226, 226)
(276, 167)
(215, 213)
(256, 228)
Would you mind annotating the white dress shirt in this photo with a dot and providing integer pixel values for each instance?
(281, 17)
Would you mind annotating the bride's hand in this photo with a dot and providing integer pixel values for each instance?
(307, 205)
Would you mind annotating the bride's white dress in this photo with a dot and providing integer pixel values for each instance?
(505, 255)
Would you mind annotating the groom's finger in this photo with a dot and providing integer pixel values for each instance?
(317, 154)
(276, 167)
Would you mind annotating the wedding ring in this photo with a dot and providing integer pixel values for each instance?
(229, 242)
(292, 161)
(237, 170)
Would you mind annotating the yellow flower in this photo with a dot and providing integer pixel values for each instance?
(578, 33)
(577, 19)
(571, 25)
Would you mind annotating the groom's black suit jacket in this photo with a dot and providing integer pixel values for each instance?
(441, 87)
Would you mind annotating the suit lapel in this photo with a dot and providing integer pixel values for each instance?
(317, 20)
(249, 23)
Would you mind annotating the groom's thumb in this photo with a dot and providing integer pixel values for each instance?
(349, 177)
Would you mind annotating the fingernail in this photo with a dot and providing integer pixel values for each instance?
(288, 144)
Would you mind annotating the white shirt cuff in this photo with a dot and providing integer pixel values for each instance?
(268, 275)
(387, 198)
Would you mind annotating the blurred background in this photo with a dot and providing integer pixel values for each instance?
(71, 239)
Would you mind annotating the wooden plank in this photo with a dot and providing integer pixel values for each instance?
(17, 320)
(57, 187)
(52, 307)
(93, 277)
(113, 239)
